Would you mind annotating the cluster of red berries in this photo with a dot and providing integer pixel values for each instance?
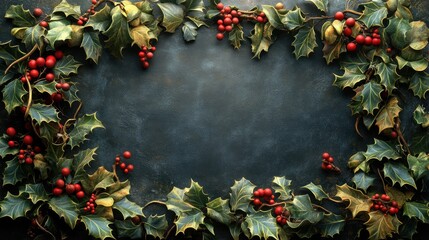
(90, 204)
(37, 12)
(145, 55)
(384, 204)
(27, 155)
(126, 168)
(261, 18)
(230, 17)
(11, 133)
(282, 215)
(40, 66)
(261, 195)
(91, 10)
(328, 163)
(70, 189)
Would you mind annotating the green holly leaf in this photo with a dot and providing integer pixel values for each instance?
(127, 229)
(417, 210)
(261, 38)
(12, 95)
(14, 206)
(101, 20)
(173, 16)
(317, 191)
(371, 96)
(36, 192)
(14, 172)
(388, 75)
(236, 36)
(67, 9)
(373, 14)
(128, 208)
(331, 225)
(5, 150)
(189, 31)
(350, 78)
(262, 225)
(218, 210)
(282, 185)
(60, 33)
(66, 66)
(46, 87)
(398, 173)
(34, 36)
(381, 149)
(20, 17)
(91, 45)
(358, 201)
(70, 96)
(82, 159)
(420, 142)
(363, 181)
(192, 5)
(386, 117)
(418, 35)
(400, 8)
(189, 220)
(408, 228)
(195, 195)
(235, 230)
(9, 53)
(421, 117)
(322, 5)
(419, 165)
(156, 226)
(241, 194)
(293, 19)
(381, 226)
(65, 208)
(305, 42)
(100, 179)
(176, 203)
(43, 113)
(274, 17)
(397, 31)
(357, 60)
(83, 126)
(333, 51)
(118, 34)
(301, 208)
(420, 84)
(97, 227)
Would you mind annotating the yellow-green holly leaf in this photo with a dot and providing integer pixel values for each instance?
(373, 14)
(261, 38)
(101, 20)
(67, 9)
(91, 45)
(305, 42)
(218, 209)
(46, 87)
(388, 75)
(420, 84)
(381, 149)
(141, 36)
(293, 19)
(261, 224)
(241, 194)
(83, 126)
(34, 36)
(274, 17)
(60, 33)
(282, 186)
(386, 117)
(301, 208)
(127, 208)
(322, 5)
(80, 160)
(333, 51)
(156, 226)
(36, 192)
(417, 210)
(371, 96)
(317, 191)
(119, 190)
(363, 181)
(97, 227)
(358, 201)
(100, 179)
(195, 195)
(236, 36)
(176, 203)
(189, 220)
(66, 66)
(418, 35)
(189, 31)
(419, 165)
(173, 16)
(43, 113)
(381, 226)
(421, 116)
(14, 172)
(350, 78)
(118, 34)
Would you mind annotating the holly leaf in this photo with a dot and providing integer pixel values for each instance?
(371, 96)
(195, 195)
(261, 38)
(388, 75)
(358, 201)
(399, 195)
(118, 34)
(273, 16)
(350, 78)
(45, 87)
(420, 142)
(317, 191)
(9, 53)
(262, 225)
(119, 190)
(322, 5)
(282, 185)
(101, 20)
(127, 229)
(70, 96)
(331, 225)
(420, 84)
(398, 173)
(305, 42)
(20, 17)
(189, 31)
(381, 226)
(5, 150)
(100, 179)
(418, 35)
(357, 60)
(421, 117)
(173, 16)
(80, 160)
(128, 208)
(156, 226)
(67, 9)
(83, 126)
(66, 66)
(176, 203)
(218, 210)
(97, 227)
(43, 113)
(13, 173)
(408, 228)
(236, 36)
(397, 31)
(34, 36)
(60, 33)
(241, 194)
(301, 208)
(333, 51)
(14, 206)
(417, 210)
(12, 95)
(386, 117)
(419, 165)
(91, 45)
(189, 220)
(36, 192)
(381, 149)
(363, 181)
(141, 36)
(65, 208)
(373, 14)
(293, 19)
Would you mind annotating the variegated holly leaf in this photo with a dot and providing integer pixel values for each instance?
(91, 45)
(65, 208)
(5, 150)
(398, 173)
(381, 149)
(333, 51)
(189, 31)
(417, 210)
(189, 220)
(156, 226)
(43, 113)
(421, 116)
(100, 179)
(60, 33)
(381, 226)
(420, 84)
(293, 19)
(12, 95)
(14, 206)
(399, 195)
(386, 117)
(173, 16)
(322, 5)
(34, 36)
(363, 181)
(128, 209)
(371, 96)
(176, 203)
(274, 17)
(388, 75)
(261, 224)
(373, 14)
(20, 17)
(418, 35)
(66, 66)
(36, 192)
(14, 172)
(83, 126)
(119, 190)
(101, 20)
(97, 227)
(118, 34)
(331, 225)
(397, 31)
(317, 191)
(195, 195)
(241, 194)
(358, 201)
(127, 229)
(80, 160)
(305, 42)
(67, 9)
(218, 210)
(261, 38)
(419, 165)
(351, 77)
(236, 36)
(46, 87)
(301, 208)
(9, 53)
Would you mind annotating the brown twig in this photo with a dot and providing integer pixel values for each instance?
(401, 135)
(334, 168)
(318, 18)
(382, 179)
(273, 205)
(322, 208)
(44, 229)
(335, 200)
(115, 175)
(352, 12)
(30, 96)
(357, 126)
(22, 58)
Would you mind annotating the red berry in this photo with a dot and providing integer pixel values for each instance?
(256, 194)
(57, 191)
(146, 64)
(65, 171)
(11, 132)
(235, 20)
(37, 12)
(142, 54)
(375, 35)
(284, 221)
(350, 22)
(219, 36)
(221, 28)
(268, 192)
(58, 86)
(153, 49)
(44, 24)
(257, 202)
(260, 19)
(220, 22)
(127, 154)
(94, 1)
(227, 21)
(323, 166)
(40, 62)
(394, 204)
(387, 198)
(57, 97)
(272, 201)
(28, 140)
(59, 54)
(34, 73)
(261, 192)
(329, 167)
(149, 55)
(376, 206)
(278, 210)
(50, 77)
(70, 189)
(339, 16)
(219, 6)
(368, 40)
(50, 62)
(376, 41)
(123, 166)
(130, 167)
(325, 155)
(360, 39)
(77, 187)
(227, 9)
(80, 194)
(32, 64)
(234, 13)
(126, 171)
(21, 157)
(383, 209)
(228, 28)
(11, 144)
(351, 47)
(331, 159)
(80, 22)
(65, 86)
(279, 219)
(347, 31)
(60, 183)
(388, 50)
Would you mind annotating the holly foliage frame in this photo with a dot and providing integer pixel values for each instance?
(377, 75)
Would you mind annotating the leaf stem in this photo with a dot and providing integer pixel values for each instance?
(322, 208)
(318, 18)
(382, 179)
(154, 202)
(357, 125)
(30, 96)
(22, 58)
(44, 229)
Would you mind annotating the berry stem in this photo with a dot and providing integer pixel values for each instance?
(382, 179)
(44, 229)
(358, 118)
(22, 58)
(30, 96)
(334, 168)
(272, 205)
(401, 135)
